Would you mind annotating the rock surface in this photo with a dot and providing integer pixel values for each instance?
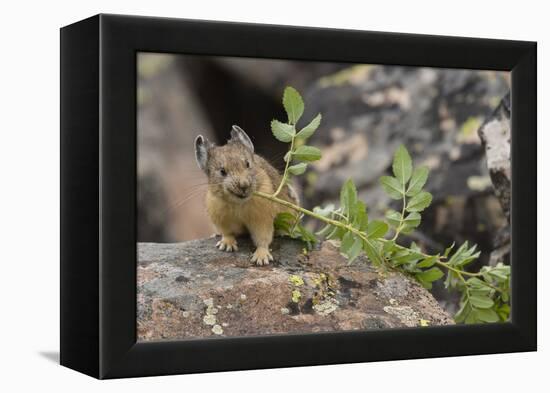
(192, 290)
(496, 138)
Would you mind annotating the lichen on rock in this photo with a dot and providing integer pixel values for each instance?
(251, 300)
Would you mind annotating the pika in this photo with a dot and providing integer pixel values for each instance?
(234, 173)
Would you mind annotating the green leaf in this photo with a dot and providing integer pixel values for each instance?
(348, 198)
(324, 232)
(346, 243)
(481, 301)
(376, 229)
(372, 252)
(463, 312)
(307, 153)
(389, 246)
(412, 220)
(288, 156)
(504, 312)
(305, 235)
(355, 250)
(427, 262)
(298, 169)
(361, 219)
(282, 131)
(418, 179)
(487, 315)
(392, 187)
(406, 256)
(284, 222)
(419, 202)
(402, 165)
(336, 233)
(448, 250)
(430, 275)
(393, 217)
(294, 105)
(308, 130)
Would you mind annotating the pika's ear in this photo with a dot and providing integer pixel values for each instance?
(201, 151)
(238, 135)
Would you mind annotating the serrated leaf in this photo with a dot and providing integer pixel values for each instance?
(430, 275)
(472, 316)
(282, 131)
(361, 218)
(463, 312)
(487, 315)
(307, 153)
(427, 262)
(392, 187)
(481, 301)
(412, 220)
(419, 202)
(355, 250)
(372, 253)
(406, 256)
(348, 198)
(336, 233)
(402, 165)
(448, 250)
(325, 231)
(284, 222)
(418, 179)
(308, 130)
(347, 242)
(306, 236)
(376, 229)
(298, 169)
(389, 246)
(393, 217)
(287, 156)
(424, 283)
(293, 103)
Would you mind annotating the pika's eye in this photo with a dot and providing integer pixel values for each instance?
(247, 163)
(223, 172)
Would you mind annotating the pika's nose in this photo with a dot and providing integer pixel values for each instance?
(243, 186)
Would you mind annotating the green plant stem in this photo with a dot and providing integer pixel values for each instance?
(357, 232)
(287, 165)
(398, 229)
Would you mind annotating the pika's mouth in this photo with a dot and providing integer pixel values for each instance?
(243, 196)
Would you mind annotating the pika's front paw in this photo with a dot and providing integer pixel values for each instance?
(262, 256)
(227, 243)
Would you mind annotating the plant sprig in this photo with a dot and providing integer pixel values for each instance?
(485, 295)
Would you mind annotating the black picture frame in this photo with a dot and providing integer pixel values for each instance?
(98, 189)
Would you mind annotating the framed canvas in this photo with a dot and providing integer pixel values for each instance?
(239, 196)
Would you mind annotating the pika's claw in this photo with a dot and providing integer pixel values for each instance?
(262, 256)
(227, 243)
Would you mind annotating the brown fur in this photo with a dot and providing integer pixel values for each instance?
(233, 215)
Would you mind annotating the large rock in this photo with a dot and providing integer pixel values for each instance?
(191, 289)
(495, 135)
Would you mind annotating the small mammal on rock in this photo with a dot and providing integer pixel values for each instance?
(234, 174)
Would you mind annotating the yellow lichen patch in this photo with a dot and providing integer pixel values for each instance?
(296, 280)
(424, 322)
(296, 296)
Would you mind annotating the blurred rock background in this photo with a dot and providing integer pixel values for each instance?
(368, 110)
